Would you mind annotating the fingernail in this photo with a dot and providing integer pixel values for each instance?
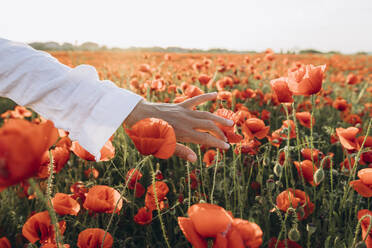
(191, 158)
(226, 146)
(230, 122)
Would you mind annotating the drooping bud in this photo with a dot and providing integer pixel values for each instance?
(319, 176)
(278, 170)
(361, 244)
(294, 234)
(270, 184)
(311, 228)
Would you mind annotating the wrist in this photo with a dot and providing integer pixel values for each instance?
(141, 111)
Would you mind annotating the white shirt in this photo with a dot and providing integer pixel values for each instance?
(74, 99)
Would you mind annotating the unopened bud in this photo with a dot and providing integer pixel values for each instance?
(361, 244)
(294, 234)
(278, 170)
(311, 228)
(319, 176)
(179, 91)
(270, 184)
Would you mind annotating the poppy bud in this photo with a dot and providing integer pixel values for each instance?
(278, 170)
(319, 176)
(179, 91)
(334, 172)
(361, 244)
(311, 228)
(294, 234)
(270, 184)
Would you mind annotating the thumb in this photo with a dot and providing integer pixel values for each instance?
(184, 152)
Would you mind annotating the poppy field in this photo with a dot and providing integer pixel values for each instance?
(298, 172)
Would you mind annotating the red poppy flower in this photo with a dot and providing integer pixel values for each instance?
(161, 191)
(247, 146)
(365, 157)
(139, 190)
(4, 243)
(347, 137)
(284, 129)
(209, 157)
(345, 165)
(63, 204)
(212, 221)
(306, 154)
(340, 104)
(281, 244)
(53, 245)
(194, 180)
(229, 132)
(145, 68)
(364, 185)
(107, 151)
(192, 90)
(133, 176)
(365, 224)
(241, 116)
(254, 127)
(306, 80)
(305, 119)
(60, 155)
(295, 198)
(352, 79)
(103, 199)
(153, 136)
(281, 90)
(92, 238)
(22, 145)
(306, 167)
(78, 191)
(39, 227)
(143, 216)
(91, 172)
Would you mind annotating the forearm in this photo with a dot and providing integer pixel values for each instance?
(74, 99)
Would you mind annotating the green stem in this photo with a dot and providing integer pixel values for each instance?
(52, 213)
(354, 167)
(157, 205)
(188, 184)
(121, 196)
(214, 174)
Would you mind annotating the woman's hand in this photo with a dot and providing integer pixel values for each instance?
(186, 123)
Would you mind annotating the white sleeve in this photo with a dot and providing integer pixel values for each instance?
(74, 99)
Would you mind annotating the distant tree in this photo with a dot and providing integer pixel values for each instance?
(37, 45)
(89, 46)
(67, 46)
(309, 51)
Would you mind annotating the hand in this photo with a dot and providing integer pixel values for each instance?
(186, 123)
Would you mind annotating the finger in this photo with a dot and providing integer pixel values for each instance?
(196, 100)
(208, 125)
(212, 117)
(206, 139)
(184, 152)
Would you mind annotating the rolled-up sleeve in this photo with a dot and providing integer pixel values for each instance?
(75, 99)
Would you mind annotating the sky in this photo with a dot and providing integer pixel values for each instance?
(325, 25)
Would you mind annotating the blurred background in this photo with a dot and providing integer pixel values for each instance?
(285, 26)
